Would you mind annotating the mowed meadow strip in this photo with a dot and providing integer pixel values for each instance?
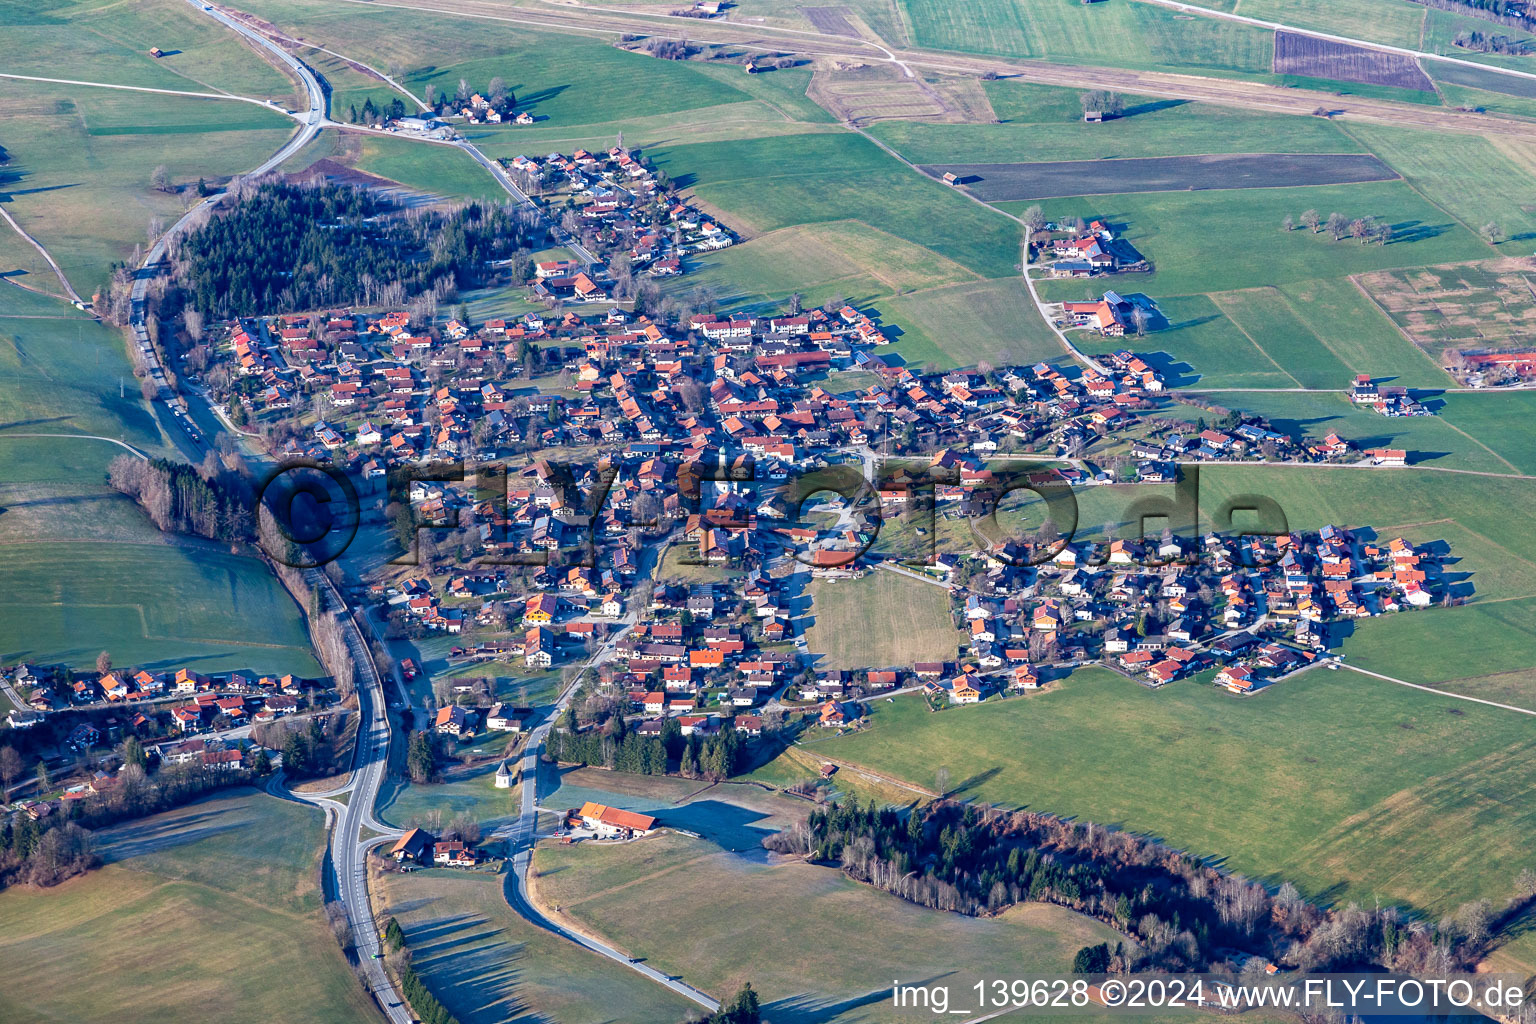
(1059, 179)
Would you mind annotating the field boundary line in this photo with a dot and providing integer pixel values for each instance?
(85, 437)
(1216, 301)
(1290, 305)
(1512, 467)
(1442, 693)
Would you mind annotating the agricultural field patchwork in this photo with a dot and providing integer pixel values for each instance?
(1485, 305)
(805, 179)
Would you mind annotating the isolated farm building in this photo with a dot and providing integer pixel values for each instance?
(415, 845)
(613, 823)
(1388, 456)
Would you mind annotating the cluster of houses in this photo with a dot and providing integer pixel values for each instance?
(626, 206)
(1388, 401)
(1092, 251)
(464, 723)
(1256, 608)
(235, 698)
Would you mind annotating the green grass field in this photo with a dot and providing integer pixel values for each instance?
(1395, 22)
(880, 620)
(1042, 122)
(1350, 787)
(990, 321)
(1357, 331)
(541, 69)
(1179, 232)
(402, 803)
(488, 965)
(84, 157)
(1265, 315)
(1499, 421)
(1471, 180)
(816, 946)
(765, 184)
(440, 170)
(157, 605)
(844, 258)
(113, 39)
(1125, 34)
(84, 568)
(226, 892)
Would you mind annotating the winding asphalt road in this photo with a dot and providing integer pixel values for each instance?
(521, 835)
(349, 846)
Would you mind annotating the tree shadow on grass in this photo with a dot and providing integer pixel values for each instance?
(810, 1008)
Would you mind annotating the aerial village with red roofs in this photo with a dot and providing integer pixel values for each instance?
(648, 453)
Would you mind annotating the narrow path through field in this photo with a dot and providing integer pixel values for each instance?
(1443, 693)
(83, 437)
(144, 88)
(57, 270)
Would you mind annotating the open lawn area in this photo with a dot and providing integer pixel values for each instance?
(765, 184)
(1345, 320)
(1176, 231)
(1044, 122)
(81, 161)
(539, 67)
(982, 321)
(226, 890)
(881, 620)
(1469, 178)
(1395, 22)
(1125, 34)
(1350, 787)
(83, 568)
(816, 946)
(837, 259)
(441, 170)
(154, 605)
(487, 965)
(112, 40)
(405, 804)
